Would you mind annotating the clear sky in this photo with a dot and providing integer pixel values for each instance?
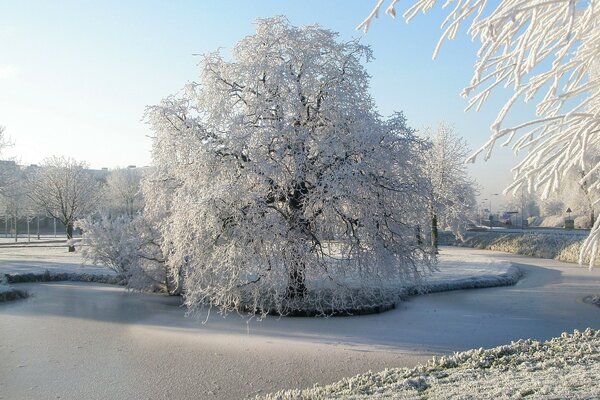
(75, 76)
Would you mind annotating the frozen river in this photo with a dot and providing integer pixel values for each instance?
(90, 341)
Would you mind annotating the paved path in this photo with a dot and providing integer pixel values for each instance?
(77, 340)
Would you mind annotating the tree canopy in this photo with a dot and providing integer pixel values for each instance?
(277, 180)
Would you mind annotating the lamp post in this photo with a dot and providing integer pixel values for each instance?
(483, 210)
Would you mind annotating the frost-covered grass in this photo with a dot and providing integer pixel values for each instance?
(563, 367)
(37, 264)
(595, 299)
(9, 293)
(561, 247)
(48, 276)
(45, 261)
(453, 272)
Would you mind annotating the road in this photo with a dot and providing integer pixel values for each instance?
(78, 340)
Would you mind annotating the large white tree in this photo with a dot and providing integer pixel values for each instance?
(65, 190)
(451, 193)
(542, 50)
(280, 183)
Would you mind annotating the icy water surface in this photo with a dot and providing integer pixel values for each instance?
(78, 340)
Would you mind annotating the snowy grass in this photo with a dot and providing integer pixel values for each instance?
(595, 300)
(45, 261)
(561, 247)
(453, 272)
(38, 264)
(48, 276)
(9, 293)
(563, 367)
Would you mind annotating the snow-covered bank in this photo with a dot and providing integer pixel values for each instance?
(557, 246)
(38, 259)
(456, 271)
(45, 262)
(9, 293)
(563, 367)
(48, 276)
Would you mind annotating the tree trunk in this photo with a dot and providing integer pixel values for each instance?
(592, 218)
(418, 235)
(296, 277)
(296, 281)
(173, 284)
(434, 232)
(70, 236)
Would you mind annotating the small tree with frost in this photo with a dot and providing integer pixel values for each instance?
(5, 171)
(543, 50)
(451, 193)
(130, 247)
(123, 192)
(65, 190)
(279, 185)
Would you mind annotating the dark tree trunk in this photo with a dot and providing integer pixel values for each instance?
(173, 284)
(418, 235)
(70, 236)
(434, 232)
(296, 276)
(296, 284)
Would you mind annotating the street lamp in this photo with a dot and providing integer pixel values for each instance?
(483, 210)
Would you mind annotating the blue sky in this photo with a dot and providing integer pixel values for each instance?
(75, 76)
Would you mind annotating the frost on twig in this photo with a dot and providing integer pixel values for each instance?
(547, 51)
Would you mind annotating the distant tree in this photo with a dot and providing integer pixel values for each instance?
(545, 50)
(257, 163)
(3, 141)
(451, 193)
(5, 167)
(123, 191)
(12, 195)
(65, 190)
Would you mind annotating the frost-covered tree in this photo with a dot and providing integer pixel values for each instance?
(13, 201)
(451, 193)
(123, 192)
(128, 246)
(65, 190)
(3, 141)
(543, 50)
(279, 184)
(5, 167)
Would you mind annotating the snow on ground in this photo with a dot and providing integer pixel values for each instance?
(82, 340)
(563, 367)
(468, 271)
(8, 293)
(558, 245)
(47, 255)
(454, 271)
